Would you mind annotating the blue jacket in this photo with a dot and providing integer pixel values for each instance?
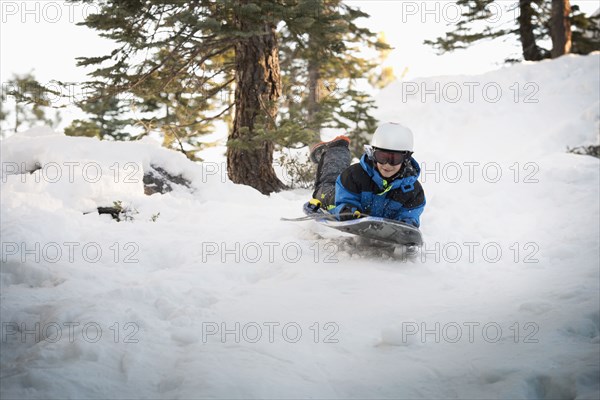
(361, 187)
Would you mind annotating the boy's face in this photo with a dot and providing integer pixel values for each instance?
(387, 170)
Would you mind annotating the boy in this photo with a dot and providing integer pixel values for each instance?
(384, 183)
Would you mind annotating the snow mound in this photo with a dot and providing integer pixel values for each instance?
(204, 292)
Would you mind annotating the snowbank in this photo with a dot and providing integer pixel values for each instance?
(207, 294)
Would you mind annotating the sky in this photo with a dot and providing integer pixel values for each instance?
(42, 37)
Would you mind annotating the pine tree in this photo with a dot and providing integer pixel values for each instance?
(165, 67)
(585, 31)
(178, 58)
(321, 67)
(528, 32)
(537, 21)
(258, 88)
(31, 103)
(560, 27)
(105, 122)
(180, 61)
(3, 112)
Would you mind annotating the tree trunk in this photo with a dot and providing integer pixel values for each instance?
(560, 28)
(17, 120)
(314, 89)
(531, 51)
(258, 86)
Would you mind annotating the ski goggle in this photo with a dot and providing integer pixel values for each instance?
(390, 157)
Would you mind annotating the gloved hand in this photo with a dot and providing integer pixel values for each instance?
(347, 213)
(313, 205)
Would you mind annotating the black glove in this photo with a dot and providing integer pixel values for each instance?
(347, 213)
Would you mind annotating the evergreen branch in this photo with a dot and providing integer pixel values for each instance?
(175, 73)
(169, 57)
(174, 133)
(208, 118)
(220, 87)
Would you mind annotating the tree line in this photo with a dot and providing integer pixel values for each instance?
(276, 72)
(566, 28)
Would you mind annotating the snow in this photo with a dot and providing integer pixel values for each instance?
(218, 298)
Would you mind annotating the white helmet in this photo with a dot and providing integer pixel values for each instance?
(393, 136)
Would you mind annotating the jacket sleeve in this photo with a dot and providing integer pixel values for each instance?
(347, 193)
(411, 210)
(412, 216)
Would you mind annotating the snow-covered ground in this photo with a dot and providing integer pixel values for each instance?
(215, 297)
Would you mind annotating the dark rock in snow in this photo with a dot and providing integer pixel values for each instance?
(113, 211)
(158, 180)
